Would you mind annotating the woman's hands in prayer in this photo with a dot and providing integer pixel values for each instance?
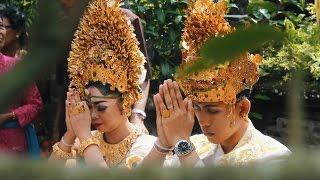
(78, 117)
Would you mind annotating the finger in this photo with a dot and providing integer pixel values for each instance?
(161, 91)
(77, 97)
(67, 110)
(185, 103)
(158, 113)
(190, 111)
(160, 130)
(161, 104)
(69, 94)
(158, 119)
(172, 94)
(72, 99)
(178, 93)
(85, 105)
(155, 101)
(167, 98)
(68, 97)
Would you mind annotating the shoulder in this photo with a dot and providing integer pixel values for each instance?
(144, 141)
(8, 61)
(270, 147)
(260, 148)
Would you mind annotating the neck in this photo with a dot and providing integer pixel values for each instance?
(229, 144)
(11, 49)
(119, 134)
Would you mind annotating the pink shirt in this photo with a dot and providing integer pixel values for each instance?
(26, 109)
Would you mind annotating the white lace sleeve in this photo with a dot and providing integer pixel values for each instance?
(139, 150)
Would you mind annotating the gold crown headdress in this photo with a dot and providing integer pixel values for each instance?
(223, 82)
(105, 49)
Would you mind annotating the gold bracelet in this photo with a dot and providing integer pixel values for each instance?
(60, 153)
(86, 143)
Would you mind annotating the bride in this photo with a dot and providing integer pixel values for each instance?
(106, 68)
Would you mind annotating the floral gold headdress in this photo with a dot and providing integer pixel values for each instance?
(223, 82)
(105, 49)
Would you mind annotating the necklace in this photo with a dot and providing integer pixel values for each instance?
(114, 154)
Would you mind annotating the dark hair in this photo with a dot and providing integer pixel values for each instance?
(104, 89)
(244, 94)
(17, 20)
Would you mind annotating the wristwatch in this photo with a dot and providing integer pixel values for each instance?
(183, 148)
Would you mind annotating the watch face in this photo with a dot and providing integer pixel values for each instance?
(183, 147)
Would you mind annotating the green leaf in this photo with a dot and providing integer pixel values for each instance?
(165, 68)
(178, 19)
(262, 97)
(160, 15)
(233, 5)
(141, 9)
(172, 36)
(256, 115)
(255, 6)
(218, 50)
(265, 13)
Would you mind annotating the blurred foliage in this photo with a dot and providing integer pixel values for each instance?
(300, 50)
(275, 12)
(163, 22)
(255, 37)
(300, 166)
(29, 7)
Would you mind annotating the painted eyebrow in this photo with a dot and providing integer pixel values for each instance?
(97, 102)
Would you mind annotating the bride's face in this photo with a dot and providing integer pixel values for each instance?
(217, 120)
(105, 112)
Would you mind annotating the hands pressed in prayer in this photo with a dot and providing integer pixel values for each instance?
(78, 122)
(175, 120)
(67, 118)
(78, 118)
(175, 115)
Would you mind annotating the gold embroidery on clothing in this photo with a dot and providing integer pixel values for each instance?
(115, 154)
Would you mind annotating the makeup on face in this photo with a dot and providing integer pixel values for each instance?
(100, 103)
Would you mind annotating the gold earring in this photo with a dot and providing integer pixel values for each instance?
(244, 117)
